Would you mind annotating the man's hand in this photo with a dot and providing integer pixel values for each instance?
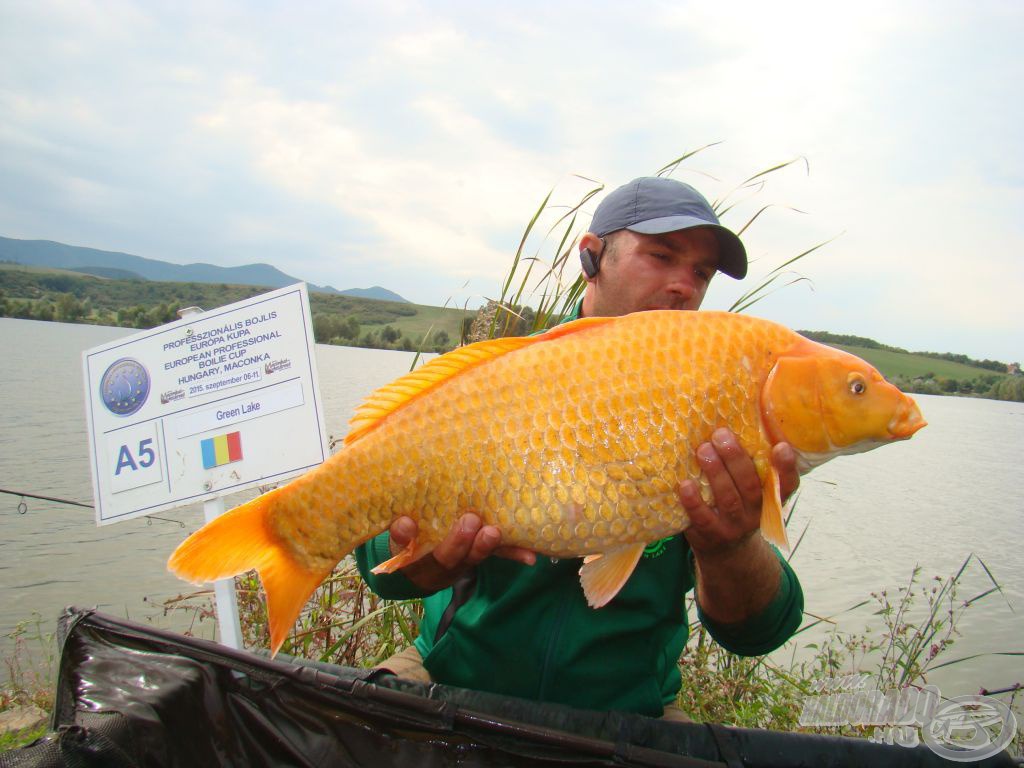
(737, 571)
(736, 514)
(467, 544)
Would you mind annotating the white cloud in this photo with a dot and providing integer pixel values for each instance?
(434, 211)
(415, 141)
(425, 44)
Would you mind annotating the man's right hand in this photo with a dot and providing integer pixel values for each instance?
(467, 544)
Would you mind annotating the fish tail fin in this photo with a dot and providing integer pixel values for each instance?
(773, 525)
(239, 541)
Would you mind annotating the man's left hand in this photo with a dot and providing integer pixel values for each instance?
(737, 571)
(736, 514)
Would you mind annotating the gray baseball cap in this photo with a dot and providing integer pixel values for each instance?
(652, 205)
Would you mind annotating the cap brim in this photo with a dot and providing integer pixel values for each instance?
(732, 256)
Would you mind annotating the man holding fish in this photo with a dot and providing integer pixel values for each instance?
(499, 618)
(479, 479)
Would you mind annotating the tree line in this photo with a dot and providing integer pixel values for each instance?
(68, 308)
(346, 331)
(988, 385)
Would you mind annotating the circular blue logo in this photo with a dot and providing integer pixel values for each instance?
(124, 387)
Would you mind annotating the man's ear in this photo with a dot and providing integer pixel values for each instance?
(591, 249)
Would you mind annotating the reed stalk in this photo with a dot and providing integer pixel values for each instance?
(548, 276)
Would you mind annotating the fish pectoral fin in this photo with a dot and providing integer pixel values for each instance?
(773, 525)
(410, 554)
(602, 576)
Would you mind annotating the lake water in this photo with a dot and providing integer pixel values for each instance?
(954, 489)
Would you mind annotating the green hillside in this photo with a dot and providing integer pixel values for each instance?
(934, 376)
(54, 294)
(910, 366)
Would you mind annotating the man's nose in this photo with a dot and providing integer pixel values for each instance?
(683, 283)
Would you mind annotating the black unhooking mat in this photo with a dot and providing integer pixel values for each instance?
(129, 695)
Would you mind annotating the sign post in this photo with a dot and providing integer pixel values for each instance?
(224, 589)
(224, 597)
(215, 403)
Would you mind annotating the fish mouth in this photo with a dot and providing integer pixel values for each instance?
(907, 421)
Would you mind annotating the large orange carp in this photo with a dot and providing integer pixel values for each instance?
(572, 442)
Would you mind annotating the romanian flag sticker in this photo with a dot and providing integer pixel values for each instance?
(222, 449)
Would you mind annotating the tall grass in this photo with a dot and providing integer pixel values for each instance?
(914, 626)
(343, 622)
(544, 270)
(30, 667)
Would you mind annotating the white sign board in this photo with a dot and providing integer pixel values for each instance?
(208, 405)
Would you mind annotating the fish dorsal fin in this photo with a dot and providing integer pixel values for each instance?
(404, 390)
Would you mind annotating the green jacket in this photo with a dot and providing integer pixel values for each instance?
(527, 631)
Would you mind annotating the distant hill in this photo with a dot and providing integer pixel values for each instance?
(376, 292)
(112, 264)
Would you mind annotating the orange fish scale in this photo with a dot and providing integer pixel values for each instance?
(578, 447)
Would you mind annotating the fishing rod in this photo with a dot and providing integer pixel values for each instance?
(23, 505)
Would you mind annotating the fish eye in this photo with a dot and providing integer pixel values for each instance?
(857, 385)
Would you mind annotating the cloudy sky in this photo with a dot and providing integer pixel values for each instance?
(407, 144)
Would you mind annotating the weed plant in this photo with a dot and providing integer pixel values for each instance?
(913, 628)
(30, 666)
(30, 669)
(343, 623)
